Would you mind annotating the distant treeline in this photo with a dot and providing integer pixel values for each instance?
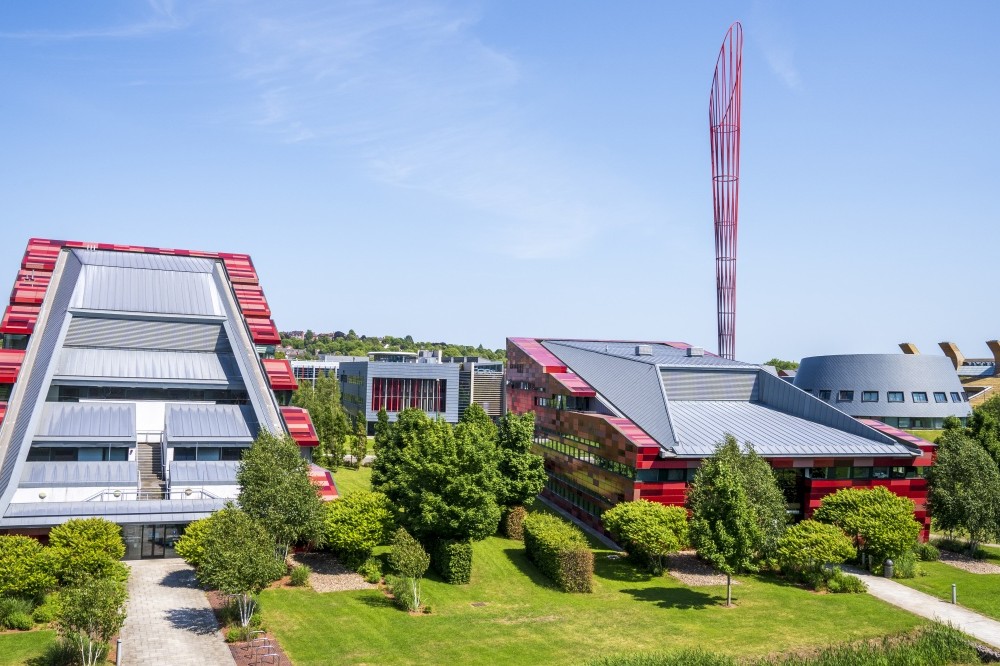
(352, 344)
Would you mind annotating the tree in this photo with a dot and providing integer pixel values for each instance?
(522, 473)
(964, 488)
(808, 545)
(359, 442)
(81, 549)
(23, 570)
(275, 489)
(737, 510)
(322, 401)
(358, 523)
(880, 522)
(442, 481)
(783, 365)
(410, 561)
(90, 613)
(191, 545)
(649, 530)
(238, 559)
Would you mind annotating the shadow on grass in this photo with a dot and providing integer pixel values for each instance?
(675, 597)
(622, 569)
(376, 600)
(520, 560)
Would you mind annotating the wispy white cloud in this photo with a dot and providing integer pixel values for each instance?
(160, 17)
(775, 44)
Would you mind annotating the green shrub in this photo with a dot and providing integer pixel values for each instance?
(906, 566)
(60, 652)
(452, 560)
(410, 561)
(513, 522)
(356, 524)
(877, 519)
(12, 606)
(190, 546)
(300, 575)
(44, 614)
(402, 591)
(24, 569)
(808, 545)
(20, 621)
(927, 552)
(371, 570)
(560, 551)
(648, 530)
(84, 549)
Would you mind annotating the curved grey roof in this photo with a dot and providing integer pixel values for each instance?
(882, 373)
(87, 421)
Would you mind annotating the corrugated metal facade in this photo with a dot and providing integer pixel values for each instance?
(87, 421)
(146, 365)
(143, 334)
(79, 473)
(203, 423)
(108, 288)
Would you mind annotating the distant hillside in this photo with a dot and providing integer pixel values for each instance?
(311, 345)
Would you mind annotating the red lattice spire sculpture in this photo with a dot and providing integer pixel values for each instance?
(724, 127)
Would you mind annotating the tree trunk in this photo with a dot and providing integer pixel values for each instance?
(729, 590)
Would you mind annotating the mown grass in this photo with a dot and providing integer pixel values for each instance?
(349, 480)
(979, 592)
(510, 614)
(20, 647)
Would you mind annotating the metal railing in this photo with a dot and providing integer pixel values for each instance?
(118, 495)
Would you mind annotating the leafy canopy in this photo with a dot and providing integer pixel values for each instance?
(91, 613)
(358, 523)
(880, 522)
(81, 549)
(275, 489)
(649, 530)
(191, 545)
(808, 545)
(23, 570)
(964, 488)
(238, 554)
(522, 473)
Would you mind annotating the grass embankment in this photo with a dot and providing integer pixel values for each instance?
(929, 435)
(20, 647)
(978, 592)
(349, 480)
(510, 614)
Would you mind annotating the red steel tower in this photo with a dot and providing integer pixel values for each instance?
(724, 128)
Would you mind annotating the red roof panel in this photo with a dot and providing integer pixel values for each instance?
(574, 384)
(323, 480)
(539, 354)
(19, 319)
(280, 375)
(300, 426)
(263, 331)
(10, 365)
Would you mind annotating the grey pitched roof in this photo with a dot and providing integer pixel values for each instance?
(714, 396)
(87, 421)
(150, 365)
(702, 424)
(205, 423)
(42, 514)
(109, 288)
(159, 262)
(145, 334)
(79, 473)
(202, 472)
(906, 373)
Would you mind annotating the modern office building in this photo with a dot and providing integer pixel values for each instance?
(133, 381)
(621, 421)
(394, 381)
(902, 390)
(326, 366)
(480, 382)
(980, 377)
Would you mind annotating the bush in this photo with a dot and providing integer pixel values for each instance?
(371, 570)
(12, 606)
(878, 520)
(300, 575)
(410, 561)
(84, 549)
(648, 530)
(560, 551)
(24, 570)
(356, 524)
(513, 522)
(45, 613)
(452, 560)
(925, 552)
(809, 545)
(906, 566)
(402, 590)
(20, 621)
(191, 544)
(59, 653)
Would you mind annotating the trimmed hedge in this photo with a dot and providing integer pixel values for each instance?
(560, 551)
(452, 560)
(513, 522)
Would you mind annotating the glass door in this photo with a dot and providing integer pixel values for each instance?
(152, 541)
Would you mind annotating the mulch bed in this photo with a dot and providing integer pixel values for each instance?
(688, 569)
(244, 653)
(329, 575)
(970, 564)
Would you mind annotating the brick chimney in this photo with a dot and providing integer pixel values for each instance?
(950, 350)
(909, 348)
(994, 346)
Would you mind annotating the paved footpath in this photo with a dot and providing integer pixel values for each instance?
(978, 626)
(169, 619)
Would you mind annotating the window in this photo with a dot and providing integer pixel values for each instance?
(845, 396)
(894, 396)
(861, 473)
(919, 396)
(940, 396)
(824, 394)
(817, 472)
(904, 422)
(839, 473)
(955, 397)
(396, 394)
(880, 472)
(869, 396)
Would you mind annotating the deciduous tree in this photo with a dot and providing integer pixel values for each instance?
(522, 473)
(89, 614)
(964, 488)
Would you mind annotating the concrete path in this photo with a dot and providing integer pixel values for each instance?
(978, 626)
(169, 619)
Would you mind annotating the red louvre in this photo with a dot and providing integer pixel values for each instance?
(10, 365)
(280, 375)
(19, 319)
(300, 426)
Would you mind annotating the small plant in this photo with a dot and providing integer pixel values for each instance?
(300, 575)
(906, 566)
(410, 561)
(20, 621)
(11, 607)
(927, 552)
(513, 522)
(371, 570)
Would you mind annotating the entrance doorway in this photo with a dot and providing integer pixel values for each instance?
(150, 541)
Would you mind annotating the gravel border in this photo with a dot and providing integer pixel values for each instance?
(966, 563)
(329, 575)
(688, 569)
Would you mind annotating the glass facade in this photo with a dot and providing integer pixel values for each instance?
(394, 395)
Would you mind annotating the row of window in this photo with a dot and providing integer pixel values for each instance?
(892, 396)
(396, 394)
(598, 461)
(666, 475)
(77, 454)
(907, 422)
(573, 496)
(570, 402)
(864, 473)
(212, 453)
(77, 393)
(352, 379)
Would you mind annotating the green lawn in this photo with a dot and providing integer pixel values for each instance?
(929, 435)
(979, 592)
(526, 621)
(18, 647)
(349, 480)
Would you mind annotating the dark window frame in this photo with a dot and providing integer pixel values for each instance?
(866, 396)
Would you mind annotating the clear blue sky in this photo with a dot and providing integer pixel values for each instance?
(471, 171)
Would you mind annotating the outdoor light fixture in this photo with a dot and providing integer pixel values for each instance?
(117, 493)
(188, 491)
(41, 495)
